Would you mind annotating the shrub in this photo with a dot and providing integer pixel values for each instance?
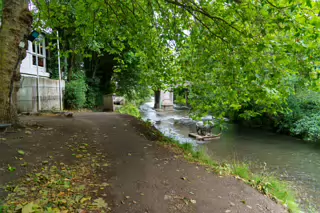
(130, 109)
(94, 97)
(308, 127)
(180, 100)
(75, 94)
(301, 106)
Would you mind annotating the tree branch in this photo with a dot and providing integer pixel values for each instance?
(116, 14)
(203, 12)
(275, 5)
(201, 22)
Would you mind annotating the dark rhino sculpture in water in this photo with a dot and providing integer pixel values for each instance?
(205, 126)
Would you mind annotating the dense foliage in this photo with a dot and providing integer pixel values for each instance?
(75, 93)
(302, 117)
(243, 56)
(130, 109)
(308, 127)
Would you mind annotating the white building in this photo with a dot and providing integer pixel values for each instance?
(28, 65)
(38, 94)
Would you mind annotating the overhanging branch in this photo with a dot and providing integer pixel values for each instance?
(203, 12)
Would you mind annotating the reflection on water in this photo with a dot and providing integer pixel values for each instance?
(288, 158)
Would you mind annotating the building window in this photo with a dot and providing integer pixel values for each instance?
(38, 48)
(40, 61)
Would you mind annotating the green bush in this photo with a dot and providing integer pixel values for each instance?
(180, 100)
(301, 118)
(130, 109)
(294, 113)
(94, 97)
(308, 127)
(75, 94)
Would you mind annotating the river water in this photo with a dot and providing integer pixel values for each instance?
(285, 157)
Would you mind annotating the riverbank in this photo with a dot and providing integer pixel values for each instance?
(266, 184)
(124, 167)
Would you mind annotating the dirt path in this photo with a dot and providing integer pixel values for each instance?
(143, 176)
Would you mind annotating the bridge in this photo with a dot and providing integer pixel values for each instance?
(163, 100)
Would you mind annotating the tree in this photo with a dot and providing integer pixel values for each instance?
(237, 55)
(15, 27)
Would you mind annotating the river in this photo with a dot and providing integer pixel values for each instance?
(285, 157)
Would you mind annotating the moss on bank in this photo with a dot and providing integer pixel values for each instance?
(269, 185)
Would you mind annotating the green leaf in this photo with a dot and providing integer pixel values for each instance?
(21, 152)
(308, 3)
(261, 47)
(11, 169)
(28, 208)
(100, 203)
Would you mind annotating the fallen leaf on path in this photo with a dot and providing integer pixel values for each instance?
(24, 164)
(85, 199)
(227, 211)
(11, 169)
(21, 152)
(100, 203)
(167, 197)
(105, 184)
(193, 201)
(79, 156)
(127, 197)
(28, 208)
(27, 132)
(61, 194)
(186, 201)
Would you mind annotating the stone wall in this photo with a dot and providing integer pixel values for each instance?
(27, 99)
(163, 100)
(166, 100)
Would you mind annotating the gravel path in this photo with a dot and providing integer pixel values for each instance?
(144, 176)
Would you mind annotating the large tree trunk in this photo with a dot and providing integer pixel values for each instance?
(15, 27)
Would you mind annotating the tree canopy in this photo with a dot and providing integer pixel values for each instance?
(239, 55)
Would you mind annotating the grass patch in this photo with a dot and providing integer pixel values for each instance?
(266, 184)
(130, 109)
(279, 190)
(241, 170)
